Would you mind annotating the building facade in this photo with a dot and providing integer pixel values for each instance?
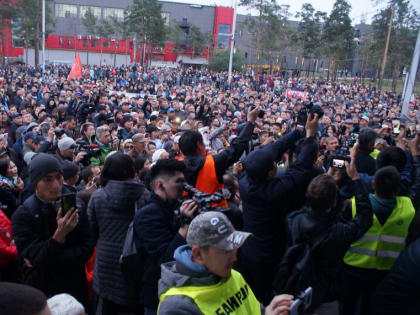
(68, 37)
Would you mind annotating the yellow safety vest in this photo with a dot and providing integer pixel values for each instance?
(374, 154)
(382, 244)
(229, 296)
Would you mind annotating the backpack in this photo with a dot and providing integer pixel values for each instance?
(297, 271)
(130, 260)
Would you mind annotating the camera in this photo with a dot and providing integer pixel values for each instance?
(203, 200)
(92, 150)
(260, 113)
(302, 115)
(84, 110)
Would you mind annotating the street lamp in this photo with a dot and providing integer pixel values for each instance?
(232, 43)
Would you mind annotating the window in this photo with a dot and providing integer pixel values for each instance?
(95, 10)
(166, 17)
(223, 35)
(93, 43)
(106, 43)
(84, 43)
(130, 46)
(118, 13)
(69, 41)
(65, 10)
(61, 41)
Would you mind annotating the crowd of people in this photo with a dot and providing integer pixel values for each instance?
(236, 196)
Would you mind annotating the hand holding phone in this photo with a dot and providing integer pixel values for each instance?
(67, 220)
(68, 201)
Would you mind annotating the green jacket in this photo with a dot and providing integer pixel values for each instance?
(100, 160)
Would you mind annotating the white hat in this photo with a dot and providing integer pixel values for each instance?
(127, 142)
(156, 155)
(366, 118)
(66, 143)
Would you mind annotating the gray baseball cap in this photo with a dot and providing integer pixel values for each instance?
(66, 143)
(214, 229)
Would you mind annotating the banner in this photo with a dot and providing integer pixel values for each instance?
(296, 94)
(76, 69)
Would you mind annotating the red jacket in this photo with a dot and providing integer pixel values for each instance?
(8, 251)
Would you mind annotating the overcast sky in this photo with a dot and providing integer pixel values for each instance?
(359, 7)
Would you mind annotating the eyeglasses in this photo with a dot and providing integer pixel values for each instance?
(129, 146)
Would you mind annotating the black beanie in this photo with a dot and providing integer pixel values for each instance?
(41, 165)
(69, 169)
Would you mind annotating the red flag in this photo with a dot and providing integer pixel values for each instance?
(76, 70)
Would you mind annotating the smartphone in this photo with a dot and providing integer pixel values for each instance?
(411, 132)
(68, 201)
(396, 126)
(336, 163)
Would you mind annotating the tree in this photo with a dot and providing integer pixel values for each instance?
(209, 42)
(309, 31)
(337, 36)
(270, 27)
(196, 40)
(403, 36)
(220, 61)
(104, 29)
(89, 21)
(7, 13)
(175, 35)
(122, 29)
(146, 21)
(29, 12)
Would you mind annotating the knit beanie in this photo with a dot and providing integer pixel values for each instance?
(41, 165)
(70, 169)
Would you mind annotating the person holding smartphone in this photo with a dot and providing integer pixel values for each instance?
(53, 246)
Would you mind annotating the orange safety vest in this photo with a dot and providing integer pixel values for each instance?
(207, 180)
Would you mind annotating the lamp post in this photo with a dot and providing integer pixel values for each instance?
(43, 35)
(232, 43)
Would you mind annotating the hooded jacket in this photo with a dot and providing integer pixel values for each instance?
(183, 272)
(111, 210)
(222, 160)
(264, 201)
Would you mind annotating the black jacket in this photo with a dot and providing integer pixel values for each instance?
(399, 292)
(156, 237)
(263, 202)
(365, 163)
(56, 268)
(111, 209)
(9, 198)
(304, 225)
(222, 160)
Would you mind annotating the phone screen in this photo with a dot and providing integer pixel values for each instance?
(68, 201)
(338, 163)
(396, 126)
